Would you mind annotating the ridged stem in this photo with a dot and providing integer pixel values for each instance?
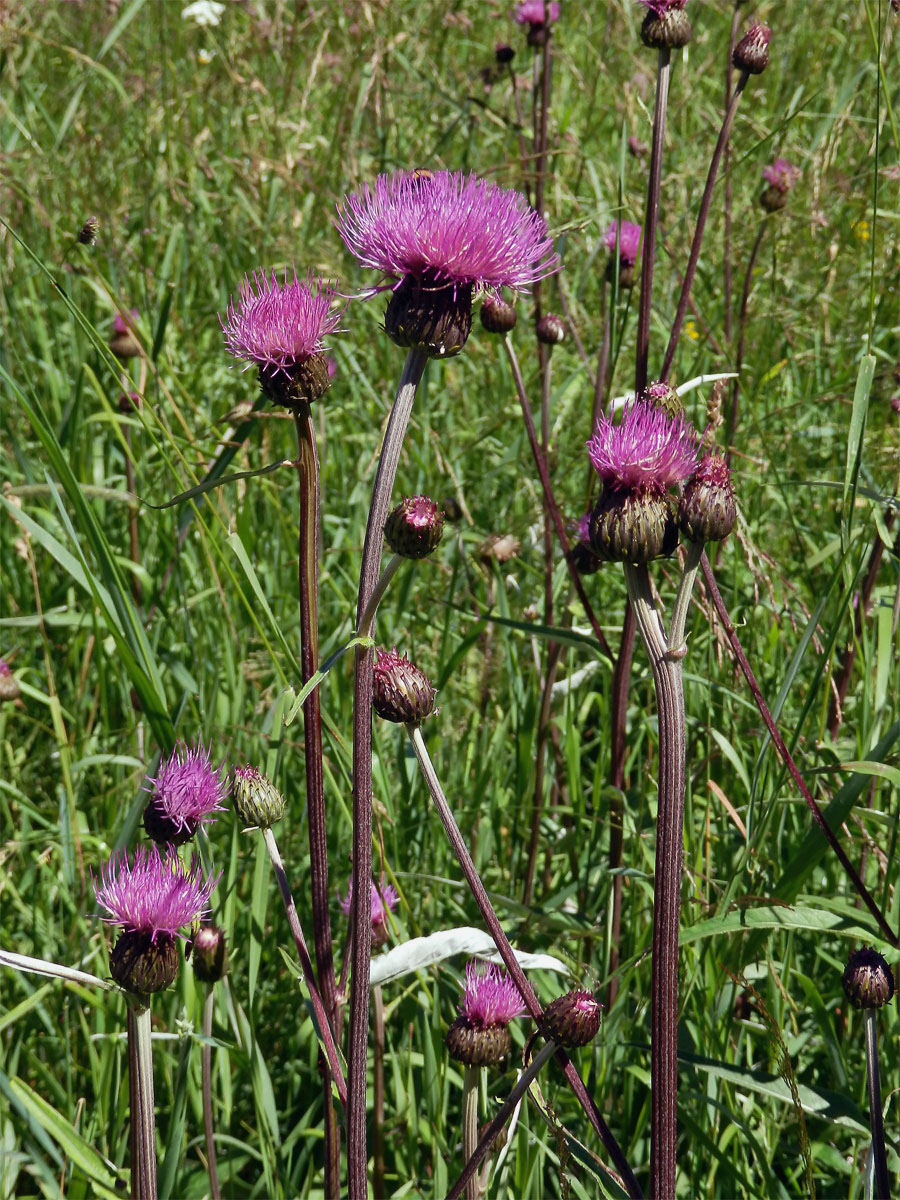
(379, 1188)
(326, 1037)
(206, 1085)
(705, 202)
(475, 1156)
(621, 681)
(308, 592)
(471, 1077)
(550, 499)
(666, 886)
(785, 755)
(361, 912)
(651, 217)
(140, 1093)
(876, 1119)
(505, 950)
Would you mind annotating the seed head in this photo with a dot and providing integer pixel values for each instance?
(868, 980)
(415, 527)
(281, 328)
(572, 1020)
(400, 691)
(184, 795)
(258, 801)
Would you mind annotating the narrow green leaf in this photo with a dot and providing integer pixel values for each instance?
(317, 678)
(64, 1134)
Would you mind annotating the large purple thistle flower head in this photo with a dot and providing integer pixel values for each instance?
(443, 236)
(489, 996)
(648, 451)
(629, 235)
(281, 328)
(154, 895)
(184, 795)
(447, 228)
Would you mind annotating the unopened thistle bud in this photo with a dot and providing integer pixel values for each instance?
(9, 685)
(550, 329)
(706, 508)
(123, 342)
(142, 965)
(504, 54)
(400, 691)
(497, 316)
(666, 25)
(87, 234)
(415, 527)
(751, 54)
(633, 527)
(868, 980)
(258, 802)
(662, 396)
(572, 1020)
(210, 953)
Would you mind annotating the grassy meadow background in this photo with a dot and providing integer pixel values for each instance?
(207, 152)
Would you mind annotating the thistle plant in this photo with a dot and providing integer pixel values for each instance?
(152, 897)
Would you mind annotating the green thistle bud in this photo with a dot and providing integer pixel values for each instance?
(633, 527)
(669, 28)
(706, 508)
(400, 691)
(415, 527)
(662, 396)
(258, 802)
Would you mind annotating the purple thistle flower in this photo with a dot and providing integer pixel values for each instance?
(185, 794)
(489, 996)
(629, 240)
(279, 326)
(153, 895)
(781, 174)
(384, 901)
(661, 7)
(447, 229)
(648, 451)
(123, 325)
(536, 12)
